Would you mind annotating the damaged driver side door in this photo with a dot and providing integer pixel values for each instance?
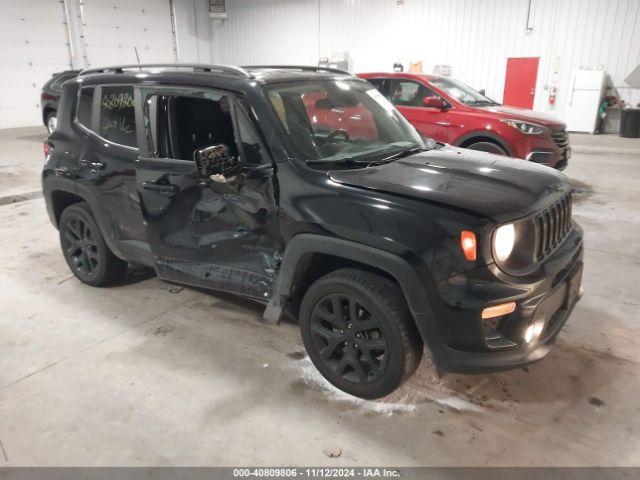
(207, 189)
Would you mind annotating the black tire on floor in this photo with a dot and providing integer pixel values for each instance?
(489, 147)
(359, 333)
(84, 249)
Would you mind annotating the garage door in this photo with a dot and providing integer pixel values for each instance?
(33, 45)
(112, 28)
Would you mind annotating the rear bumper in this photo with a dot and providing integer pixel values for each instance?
(466, 347)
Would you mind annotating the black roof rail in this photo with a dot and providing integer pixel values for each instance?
(304, 68)
(198, 67)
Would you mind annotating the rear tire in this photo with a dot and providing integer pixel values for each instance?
(488, 147)
(359, 333)
(85, 250)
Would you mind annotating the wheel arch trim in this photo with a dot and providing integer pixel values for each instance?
(394, 265)
(479, 134)
(52, 184)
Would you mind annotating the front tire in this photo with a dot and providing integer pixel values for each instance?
(85, 250)
(359, 333)
(488, 147)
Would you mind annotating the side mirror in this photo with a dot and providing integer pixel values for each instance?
(434, 102)
(483, 91)
(215, 160)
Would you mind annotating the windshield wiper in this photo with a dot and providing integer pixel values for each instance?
(344, 160)
(368, 158)
(405, 152)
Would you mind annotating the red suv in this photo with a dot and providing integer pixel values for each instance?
(451, 112)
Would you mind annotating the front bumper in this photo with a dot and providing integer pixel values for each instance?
(557, 160)
(466, 347)
(552, 149)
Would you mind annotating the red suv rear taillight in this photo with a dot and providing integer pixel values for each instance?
(48, 150)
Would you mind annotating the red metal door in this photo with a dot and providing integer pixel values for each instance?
(520, 82)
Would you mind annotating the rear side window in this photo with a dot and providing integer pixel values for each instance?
(117, 115)
(85, 106)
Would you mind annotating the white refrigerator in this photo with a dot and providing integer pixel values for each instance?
(585, 96)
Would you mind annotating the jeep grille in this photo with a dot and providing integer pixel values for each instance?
(552, 226)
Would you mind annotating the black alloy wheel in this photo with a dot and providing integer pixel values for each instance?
(359, 332)
(80, 247)
(349, 338)
(85, 250)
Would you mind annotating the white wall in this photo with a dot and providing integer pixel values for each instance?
(474, 36)
(267, 31)
(193, 31)
(40, 37)
(113, 29)
(33, 45)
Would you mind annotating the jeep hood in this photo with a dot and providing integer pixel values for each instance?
(500, 188)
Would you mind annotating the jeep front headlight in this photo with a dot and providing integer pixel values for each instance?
(513, 245)
(503, 241)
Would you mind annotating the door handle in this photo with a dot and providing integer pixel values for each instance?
(444, 124)
(95, 165)
(160, 188)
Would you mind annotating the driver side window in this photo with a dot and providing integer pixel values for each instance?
(180, 125)
(406, 93)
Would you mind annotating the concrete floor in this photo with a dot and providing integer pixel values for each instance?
(149, 373)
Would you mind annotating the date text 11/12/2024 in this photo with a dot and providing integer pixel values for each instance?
(316, 472)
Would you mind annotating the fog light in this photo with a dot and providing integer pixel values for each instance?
(533, 331)
(537, 329)
(528, 334)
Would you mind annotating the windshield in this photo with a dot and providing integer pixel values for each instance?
(336, 120)
(462, 92)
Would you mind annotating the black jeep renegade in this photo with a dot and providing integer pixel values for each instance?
(305, 189)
